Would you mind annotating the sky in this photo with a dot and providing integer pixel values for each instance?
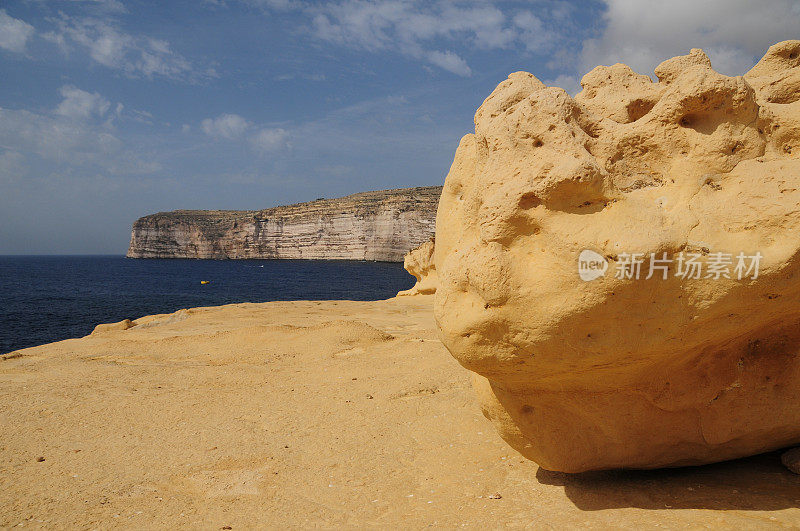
(114, 109)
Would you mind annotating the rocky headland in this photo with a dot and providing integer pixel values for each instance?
(382, 225)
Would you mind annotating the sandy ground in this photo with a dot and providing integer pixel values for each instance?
(310, 414)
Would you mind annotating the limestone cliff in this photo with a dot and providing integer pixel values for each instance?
(382, 225)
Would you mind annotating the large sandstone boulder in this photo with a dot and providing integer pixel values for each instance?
(602, 367)
(419, 263)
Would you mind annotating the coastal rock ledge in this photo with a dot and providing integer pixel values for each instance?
(382, 225)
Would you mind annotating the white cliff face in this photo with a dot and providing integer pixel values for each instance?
(382, 225)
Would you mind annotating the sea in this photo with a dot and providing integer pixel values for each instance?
(50, 298)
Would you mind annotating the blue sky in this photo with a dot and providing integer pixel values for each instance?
(113, 109)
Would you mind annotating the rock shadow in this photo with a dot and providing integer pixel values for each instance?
(758, 483)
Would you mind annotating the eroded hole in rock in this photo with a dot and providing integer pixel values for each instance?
(591, 129)
(585, 207)
(702, 123)
(529, 200)
(638, 108)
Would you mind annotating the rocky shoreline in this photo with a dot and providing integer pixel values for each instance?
(323, 413)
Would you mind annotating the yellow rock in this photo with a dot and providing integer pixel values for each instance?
(419, 263)
(618, 371)
(108, 327)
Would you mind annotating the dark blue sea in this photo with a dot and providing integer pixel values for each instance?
(50, 298)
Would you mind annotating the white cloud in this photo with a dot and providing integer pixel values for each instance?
(110, 6)
(12, 166)
(420, 29)
(302, 75)
(14, 33)
(234, 127)
(67, 142)
(450, 62)
(534, 34)
(267, 140)
(275, 4)
(108, 45)
(143, 117)
(77, 136)
(230, 126)
(642, 33)
(80, 104)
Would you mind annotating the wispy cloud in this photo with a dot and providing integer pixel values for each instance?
(428, 31)
(80, 104)
(14, 33)
(108, 45)
(280, 5)
(77, 133)
(230, 126)
(12, 166)
(235, 127)
(308, 76)
(270, 139)
(450, 61)
(101, 6)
